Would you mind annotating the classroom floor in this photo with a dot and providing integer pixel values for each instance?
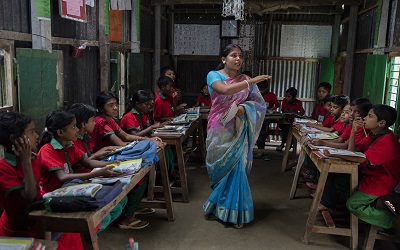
(279, 222)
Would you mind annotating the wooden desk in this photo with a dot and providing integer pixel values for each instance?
(326, 166)
(177, 141)
(86, 222)
(289, 140)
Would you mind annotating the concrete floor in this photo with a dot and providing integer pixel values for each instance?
(279, 222)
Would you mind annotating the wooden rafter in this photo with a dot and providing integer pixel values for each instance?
(263, 4)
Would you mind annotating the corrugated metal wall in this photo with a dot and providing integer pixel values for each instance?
(15, 15)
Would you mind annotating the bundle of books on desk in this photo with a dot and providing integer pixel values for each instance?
(127, 169)
(16, 243)
(319, 151)
(193, 113)
(170, 130)
(181, 119)
(304, 120)
(322, 136)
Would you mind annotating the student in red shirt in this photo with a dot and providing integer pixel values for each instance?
(290, 105)
(319, 111)
(58, 154)
(203, 99)
(332, 123)
(382, 173)
(19, 179)
(359, 108)
(84, 115)
(169, 72)
(106, 131)
(163, 110)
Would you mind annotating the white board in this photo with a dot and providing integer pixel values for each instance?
(196, 39)
(308, 41)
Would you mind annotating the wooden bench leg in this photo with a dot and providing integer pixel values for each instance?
(287, 148)
(370, 238)
(166, 188)
(152, 183)
(353, 218)
(297, 173)
(182, 172)
(89, 237)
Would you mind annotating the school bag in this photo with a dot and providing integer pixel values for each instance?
(145, 149)
(105, 195)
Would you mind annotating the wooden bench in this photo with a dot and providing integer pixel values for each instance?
(86, 222)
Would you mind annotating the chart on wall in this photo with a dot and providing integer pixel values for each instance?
(196, 39)
(309, 41)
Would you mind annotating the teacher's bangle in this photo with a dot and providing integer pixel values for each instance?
(248, 85)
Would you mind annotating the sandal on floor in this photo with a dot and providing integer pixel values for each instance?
(311, 185)
(238, 226)
(389, 233)
(146, 210)
(136, 224)
(258, 155)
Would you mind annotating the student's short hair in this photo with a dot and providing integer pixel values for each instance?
(385, 112)
(102, 98)
(325, 85)
(165, 69)
(292, 91)
(363, 104)
(341, 100)
(82, 113)
(12, 123)
(327, 98)
(263, 85)
(164, 81)
(203, 85)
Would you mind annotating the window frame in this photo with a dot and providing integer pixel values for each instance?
(389, 89)
(10, 97)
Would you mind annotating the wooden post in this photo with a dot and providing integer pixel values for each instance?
(335, 36)
(157, 44)
(383, 25)
(104, 49)
(41, 30)
(351, 44)
(135, 26)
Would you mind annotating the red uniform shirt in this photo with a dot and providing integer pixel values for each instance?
(169, 97)
(102, 130)
(203, 101)
(357, 137)
(14, 221)
(319, 112)
(329, 121)
(339, 127)
(83, 143)
(272, 100)
(55, 157)
(383, 172)
(162, 108)
(134, 120)
(294, 107)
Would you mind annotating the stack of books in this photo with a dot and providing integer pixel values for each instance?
(170, 130)
(322, 136)
(15, 243)
(304, 120)
(127, 169)
(181, 119)
(193, 113)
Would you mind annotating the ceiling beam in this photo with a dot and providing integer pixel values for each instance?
(263, 4)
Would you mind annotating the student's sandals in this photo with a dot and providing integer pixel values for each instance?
(135, 224)
(238, 226)
(145, 211)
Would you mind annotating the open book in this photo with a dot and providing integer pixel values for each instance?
(14, 243)
(131, 166)
(323, 136)
(87, 190)
(230, 114)
(345, 152)
(127, 168)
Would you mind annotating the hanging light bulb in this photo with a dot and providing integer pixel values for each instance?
(233, 8)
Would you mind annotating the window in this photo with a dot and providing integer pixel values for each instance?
(6, 79)
(392, 97)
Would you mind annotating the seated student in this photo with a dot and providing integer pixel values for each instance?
(106, 131)
(359, 108)
(332, 123)
(203, 99)
(19, 179)
(163, 110)
(382, 170)
(290, 105)
(273, 104)
(319, 111)
(136, 120)
(85, 122)
(169, 72)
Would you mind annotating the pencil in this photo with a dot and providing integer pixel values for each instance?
(365, 132)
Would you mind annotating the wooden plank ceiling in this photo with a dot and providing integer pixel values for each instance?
(261, 7)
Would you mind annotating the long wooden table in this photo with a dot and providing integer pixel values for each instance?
(325, 166)
(195, 129)
(86, 222)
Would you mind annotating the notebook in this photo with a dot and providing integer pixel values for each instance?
(87, 190)
(230, 114)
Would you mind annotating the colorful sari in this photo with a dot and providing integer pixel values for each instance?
(230, 152)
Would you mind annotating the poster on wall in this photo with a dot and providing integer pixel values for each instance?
(307, 41)
(196, 39)
(73, 9)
